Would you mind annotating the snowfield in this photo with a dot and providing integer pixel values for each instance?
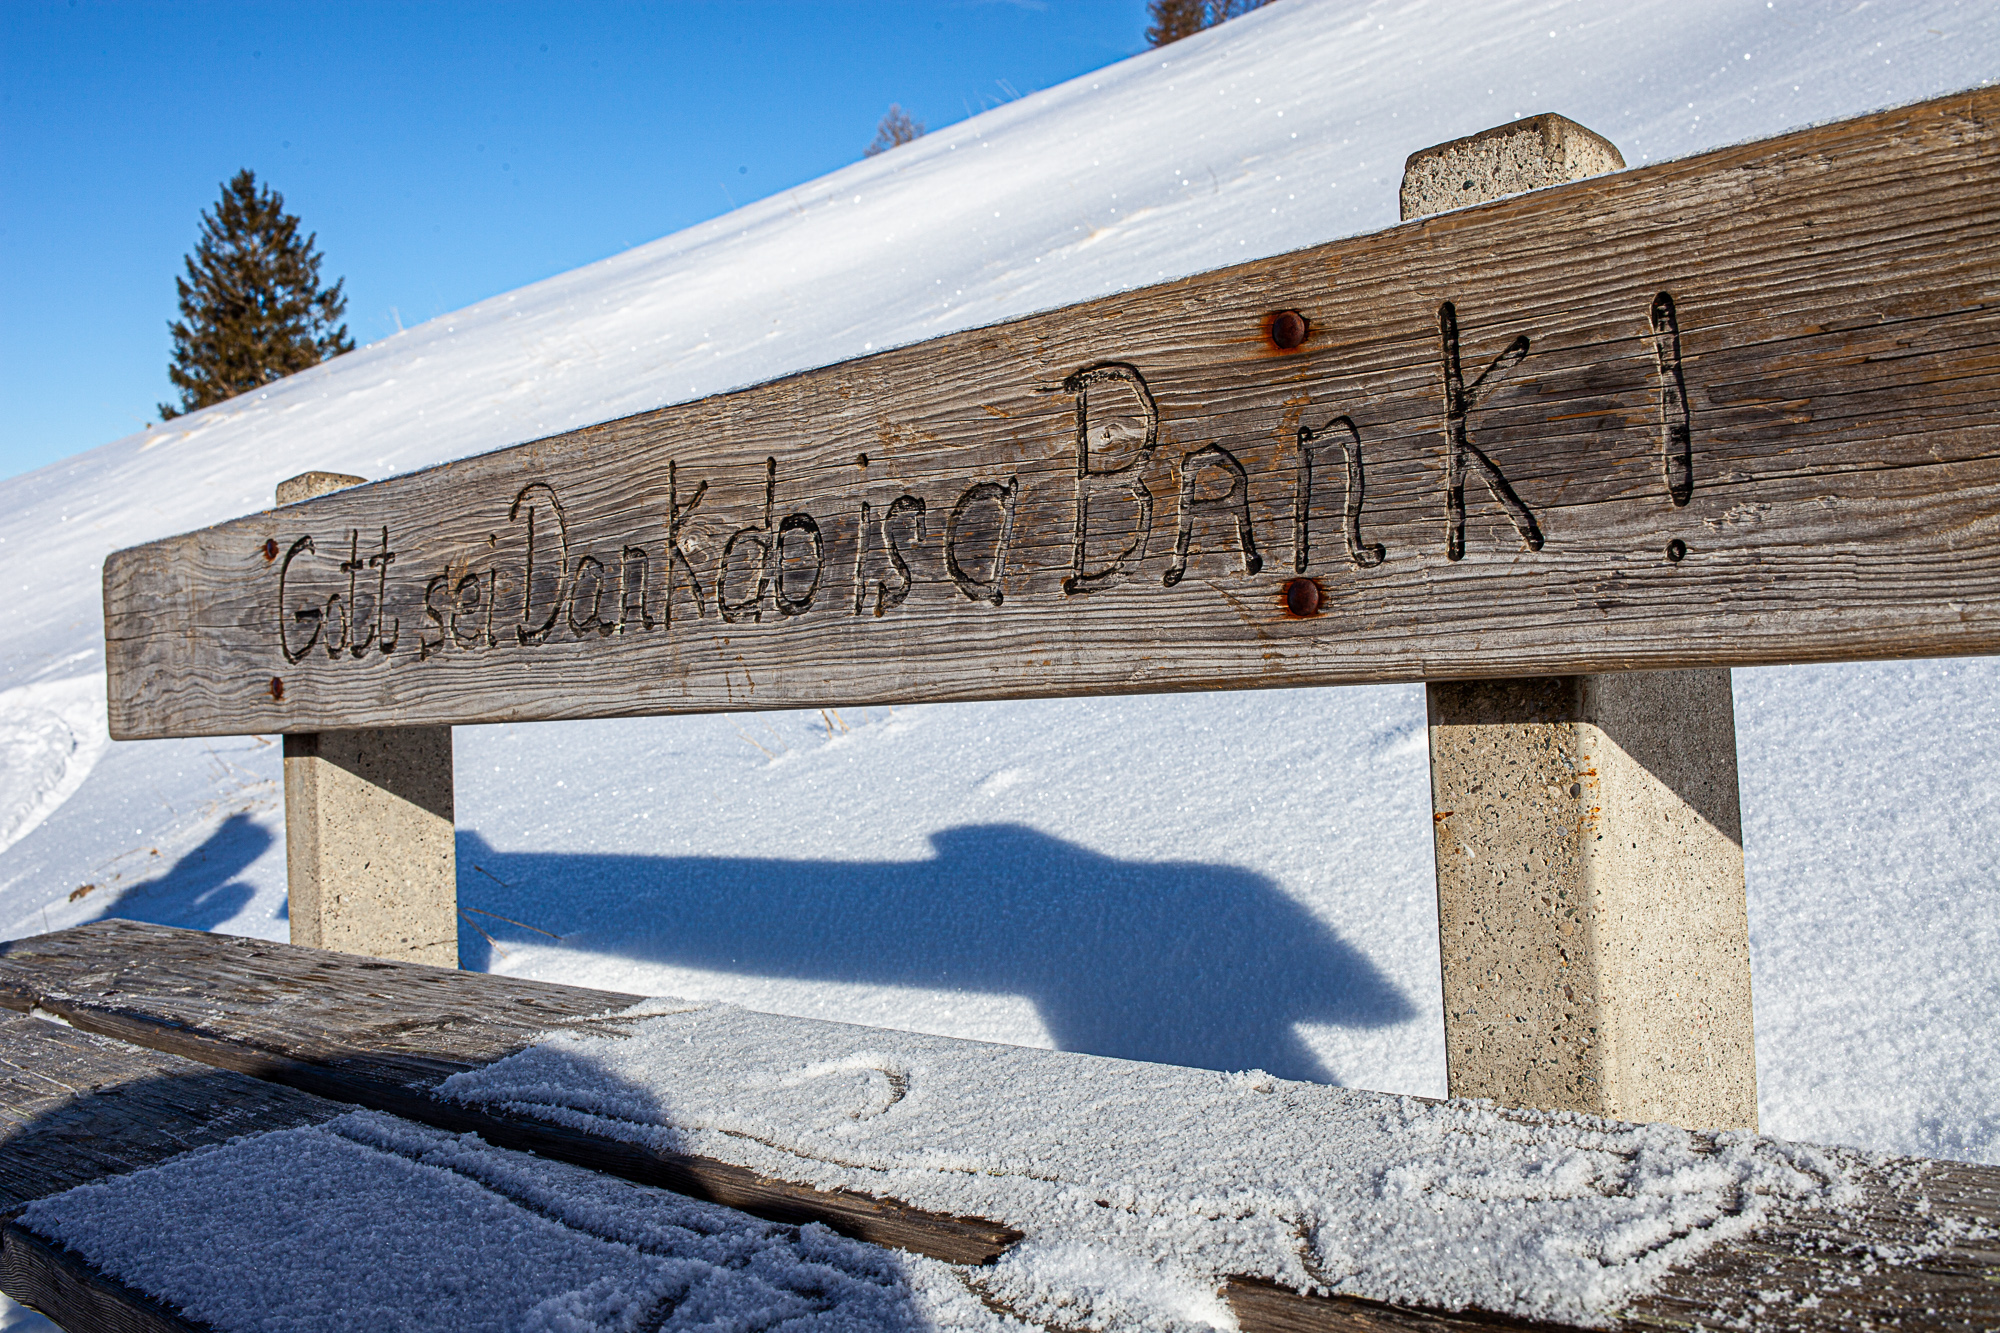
(1226, 881)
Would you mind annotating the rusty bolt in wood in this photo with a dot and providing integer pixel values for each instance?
(1302, 597)
(1288, 330)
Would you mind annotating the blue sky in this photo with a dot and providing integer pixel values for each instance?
(442, 152)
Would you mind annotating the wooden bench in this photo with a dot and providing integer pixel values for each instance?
(1725, 411)
(181, 1038)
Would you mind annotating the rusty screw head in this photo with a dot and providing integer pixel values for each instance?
(1677, 550)
(1288, 329)
(277, 688)
(1302, 597)
(270, 548)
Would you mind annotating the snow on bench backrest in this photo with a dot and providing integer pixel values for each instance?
(1729, 410)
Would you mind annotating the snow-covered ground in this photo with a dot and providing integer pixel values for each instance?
(1058, 873)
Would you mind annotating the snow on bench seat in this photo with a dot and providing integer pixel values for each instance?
(199, 1198)
(1079, 1192)
(1141, 1188)
(383, 1034)
(371, 1222)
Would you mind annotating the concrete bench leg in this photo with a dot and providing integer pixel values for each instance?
(369, 850)
(371, 861)
(1590, 895)
(1591, 922)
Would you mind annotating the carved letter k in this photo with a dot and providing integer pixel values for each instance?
(1461, 453)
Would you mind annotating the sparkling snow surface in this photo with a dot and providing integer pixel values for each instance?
(1229, 881)
(310, 1230)
(1142, 1187)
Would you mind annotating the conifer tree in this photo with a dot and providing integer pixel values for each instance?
(252, 309)
(1175, 19)
(897, 128)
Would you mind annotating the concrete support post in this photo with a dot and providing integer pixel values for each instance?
(1591, 920)
(1590, 895)
(370, 858)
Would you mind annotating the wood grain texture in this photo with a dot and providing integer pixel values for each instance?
(1266, 1307)
(1922, 1251)
(382, 1034)
(1782, 356)
(66, 1287)
(77, 1107)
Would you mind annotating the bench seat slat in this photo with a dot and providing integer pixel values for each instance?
(384, 1034)
(381, 1034)
(78, 1107)
(293, 1206)
(69, 1289)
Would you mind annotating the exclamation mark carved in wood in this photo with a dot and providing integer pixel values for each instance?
(1676, 421)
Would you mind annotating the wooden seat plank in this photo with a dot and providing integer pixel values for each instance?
(1920, 1251)
(77, 1107)
(382, 1034)
(68, 1288)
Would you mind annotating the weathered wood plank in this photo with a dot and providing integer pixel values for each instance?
(77, 1107)
(1921, 1251)
(381, 1034)
(1266, 1307)
(1752, 423)
(69, 1289)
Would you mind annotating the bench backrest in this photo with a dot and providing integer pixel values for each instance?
(1729, 410)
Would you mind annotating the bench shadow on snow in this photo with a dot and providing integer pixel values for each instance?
(1177, 962)
(201, 890)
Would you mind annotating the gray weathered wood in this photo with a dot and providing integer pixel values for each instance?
(77, 1107)
(69, 1289)
(1918, 1252)
(381, 1034)
(1266, 1307)
(1816, 309)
